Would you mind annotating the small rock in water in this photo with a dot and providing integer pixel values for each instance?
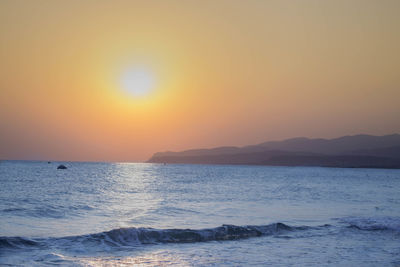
(61, 167)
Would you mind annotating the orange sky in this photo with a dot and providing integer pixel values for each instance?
(226, 73)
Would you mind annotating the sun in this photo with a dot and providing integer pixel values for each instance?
(138, 82)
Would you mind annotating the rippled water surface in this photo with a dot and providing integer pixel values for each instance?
(100, 214)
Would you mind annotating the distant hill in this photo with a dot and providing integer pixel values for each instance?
(357, 151)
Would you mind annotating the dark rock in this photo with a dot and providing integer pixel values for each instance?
(61, 167)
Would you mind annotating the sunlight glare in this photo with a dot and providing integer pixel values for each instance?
(138, 82)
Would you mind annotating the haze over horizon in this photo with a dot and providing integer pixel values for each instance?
(121, 80)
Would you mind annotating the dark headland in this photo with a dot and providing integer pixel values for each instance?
(357, 151)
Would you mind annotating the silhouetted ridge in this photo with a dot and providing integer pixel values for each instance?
(358, 151)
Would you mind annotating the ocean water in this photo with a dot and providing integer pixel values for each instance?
(125, 214)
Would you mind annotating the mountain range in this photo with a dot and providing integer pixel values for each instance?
(357, 151)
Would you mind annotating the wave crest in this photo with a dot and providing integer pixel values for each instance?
(373, 223)
(138, 236)
(17, 242)
(134, 236)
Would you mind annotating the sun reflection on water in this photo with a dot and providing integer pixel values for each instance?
(152, 259)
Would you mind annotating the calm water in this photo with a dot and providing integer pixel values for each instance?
(99, 214)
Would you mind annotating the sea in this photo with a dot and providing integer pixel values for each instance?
(142, 214)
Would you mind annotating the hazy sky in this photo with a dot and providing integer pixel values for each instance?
(222, 73)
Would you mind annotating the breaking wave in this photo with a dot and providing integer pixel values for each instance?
(129, 237)
(373, 223)
(140, 236)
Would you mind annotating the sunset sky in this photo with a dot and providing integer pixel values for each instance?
(215, 73)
